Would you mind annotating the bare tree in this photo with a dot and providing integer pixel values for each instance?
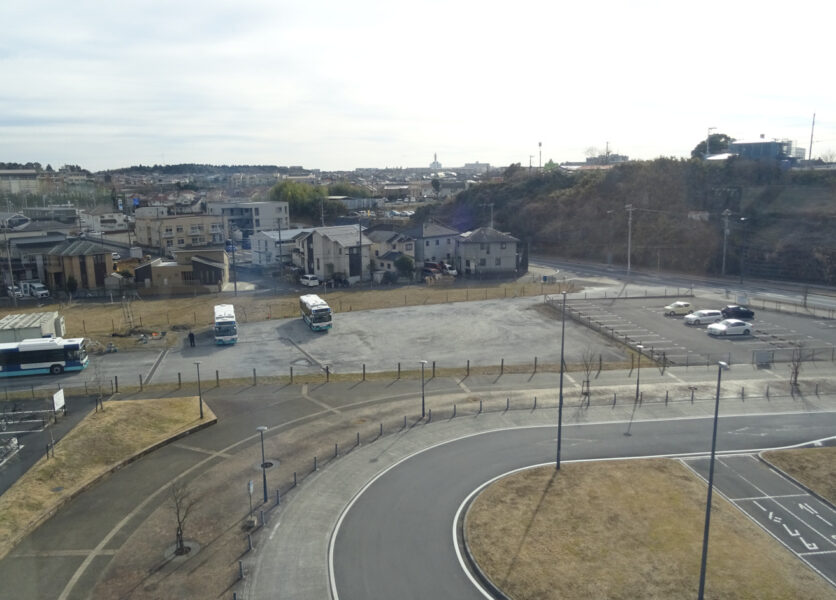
(182, 502)
(795, 365)
(588, 361)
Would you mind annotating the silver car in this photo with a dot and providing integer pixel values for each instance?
(703, 317)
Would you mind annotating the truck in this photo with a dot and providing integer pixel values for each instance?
(34, 288)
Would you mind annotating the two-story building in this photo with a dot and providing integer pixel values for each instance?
(179, 232)
(433, 242)
(270, 248)
(206, 268)
(87, 262)
(486, 252)
(329, 252)
(387, 247)
(104, 218)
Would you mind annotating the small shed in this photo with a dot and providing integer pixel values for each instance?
(14, 328)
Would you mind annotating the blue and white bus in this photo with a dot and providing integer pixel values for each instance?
(315, 312)
(226, 329)
(42, 355)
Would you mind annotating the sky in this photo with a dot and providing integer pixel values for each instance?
(339, 85)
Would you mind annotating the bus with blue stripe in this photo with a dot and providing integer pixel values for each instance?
(226, 328)
(42, 356)
(315, 312)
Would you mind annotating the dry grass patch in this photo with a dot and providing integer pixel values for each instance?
(813, 467)
(625, 529)
(99, 443)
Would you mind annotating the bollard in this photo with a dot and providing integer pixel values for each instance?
(336, 452)
(507, 404)
(263, 519)
(291, 375)
(535, 364)
(480, 406)
(742, 393)
(240, 569)
(179, 381)
(817, 389)
(399, 370)
(454, 410)
(217, 379)
(502, 366)
(327, 373)
(381, 431)
(535, 402)
(314, 464)
(278, 498)
(468, 367)
(249, 542)
(294, 478)
(364, 371)
(692, 395)
(404, 421)
(358, 439)
(429, 415)
(116, 383)
(140, 382)
(254, 379)
(433, 369)
(613, 398)
(666, 397)
(767, 391)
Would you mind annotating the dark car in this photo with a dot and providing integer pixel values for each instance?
(737, 312)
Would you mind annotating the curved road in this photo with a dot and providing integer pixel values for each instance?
(396, 538)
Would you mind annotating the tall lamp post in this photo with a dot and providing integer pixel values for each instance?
(423, 405)
(199, 394)
(629, 208)
(560, 395)
(720, 367)
(743, 245)
(261, 429)
(726, 214)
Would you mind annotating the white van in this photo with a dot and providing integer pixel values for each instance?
(309, 280)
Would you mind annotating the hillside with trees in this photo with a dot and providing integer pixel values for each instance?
(781, 221)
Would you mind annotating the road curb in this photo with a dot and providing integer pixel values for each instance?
(52, 510)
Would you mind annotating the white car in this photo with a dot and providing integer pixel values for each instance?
(702, 317)
(309, 280)
(115, 255)
(730, 327)
(678, 308)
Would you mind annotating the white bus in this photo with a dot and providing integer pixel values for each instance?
(42, 355)
(315, 312)
(226, 329)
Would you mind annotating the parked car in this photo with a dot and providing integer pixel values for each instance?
(309, 280)
(701, 317)
(730, 327)
(115, 255)
(737, 312)
(678, 308)
(448, 269)
(14, 291)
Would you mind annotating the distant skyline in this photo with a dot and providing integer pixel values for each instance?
(369, 83)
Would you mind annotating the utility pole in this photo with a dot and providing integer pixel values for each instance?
(491, 205)
(540, 145)
(629, 208)
(812, 129)
(530, 158)
(726, 214)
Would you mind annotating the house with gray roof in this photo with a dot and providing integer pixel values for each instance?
(342, 251)
(87, 262)
(433, 242)
(486, 252)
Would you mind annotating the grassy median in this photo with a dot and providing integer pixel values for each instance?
(97, 445)
(813, 467)
(625, 530)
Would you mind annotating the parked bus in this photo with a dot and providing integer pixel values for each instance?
(226, 329)
(42, 355)
(315, 312)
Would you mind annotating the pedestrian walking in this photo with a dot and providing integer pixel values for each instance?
(191, 339)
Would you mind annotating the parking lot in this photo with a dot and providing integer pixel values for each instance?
(640, 321)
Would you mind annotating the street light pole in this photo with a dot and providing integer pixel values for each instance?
(261, 429)
(560, 396)
(720, 367)
(726, 215)
(199, 394)
(423, 406)
(743, 246)
(629, 208)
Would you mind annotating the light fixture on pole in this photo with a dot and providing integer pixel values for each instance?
(423, 405)
(199, 394)
(261, 429)
(560, 396)
(721, 366)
